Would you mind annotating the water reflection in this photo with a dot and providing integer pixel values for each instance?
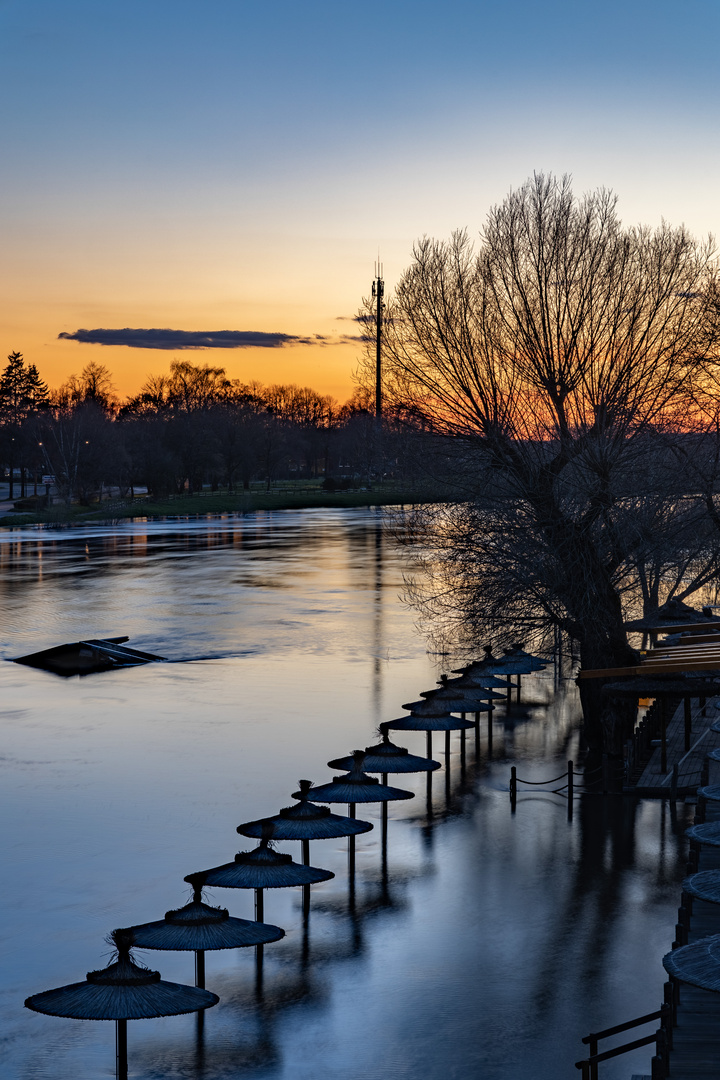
(486, 945)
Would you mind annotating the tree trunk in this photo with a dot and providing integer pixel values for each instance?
(608, 722)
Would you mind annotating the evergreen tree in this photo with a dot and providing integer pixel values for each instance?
(14, 401)
(36, 390)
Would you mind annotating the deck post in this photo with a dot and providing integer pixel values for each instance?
(674, 783)
(663, 735)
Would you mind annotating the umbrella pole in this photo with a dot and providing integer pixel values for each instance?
(477, 735)
(121, 1049)
(200, 1038)
(508, 703)
(519, 686)
(490, 732)
(259, 917)
(462, 750)
(428, 743)
(200, 969)
(306, 888)
(447, 767)
(351, 854)
(384, 832)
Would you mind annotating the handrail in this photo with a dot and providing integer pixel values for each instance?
(595, 1059)
(662, 1038)
(625, 1027)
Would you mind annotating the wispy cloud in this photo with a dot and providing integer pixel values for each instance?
(191, 339)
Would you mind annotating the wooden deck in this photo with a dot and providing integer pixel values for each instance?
(654, 783)
(696, 1039)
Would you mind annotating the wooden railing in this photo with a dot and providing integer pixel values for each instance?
(662, 1038)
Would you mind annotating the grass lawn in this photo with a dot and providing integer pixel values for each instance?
(220, 502)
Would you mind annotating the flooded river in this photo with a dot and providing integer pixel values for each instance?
(495, 944)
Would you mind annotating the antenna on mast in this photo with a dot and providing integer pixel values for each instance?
(378, 292)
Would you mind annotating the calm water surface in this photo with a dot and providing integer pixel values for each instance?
(497, 940)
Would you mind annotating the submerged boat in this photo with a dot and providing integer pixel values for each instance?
(88, 657)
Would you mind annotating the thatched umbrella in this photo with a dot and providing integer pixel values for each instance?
(433, 715)
(707, 833)
(306, 821)
(697, 964)
(470, 682)
(259, 869)
(385, 757)
(463, 699)
(711, 792)
(198, 927)
(121, 991)
(674, 612)
(516, 652)
(354, 787)
(704, 885)
(479, 681)
(511, 663)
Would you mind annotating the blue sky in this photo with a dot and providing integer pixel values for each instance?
(235, 165)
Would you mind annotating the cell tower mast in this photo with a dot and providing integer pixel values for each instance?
(378, 291)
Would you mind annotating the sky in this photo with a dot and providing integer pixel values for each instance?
(237, 166)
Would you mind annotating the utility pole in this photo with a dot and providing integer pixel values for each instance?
(378, 292)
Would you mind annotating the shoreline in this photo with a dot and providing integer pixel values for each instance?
(212, 504)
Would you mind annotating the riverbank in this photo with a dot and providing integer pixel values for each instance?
(206, 503)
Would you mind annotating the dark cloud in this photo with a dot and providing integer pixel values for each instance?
(190, 339)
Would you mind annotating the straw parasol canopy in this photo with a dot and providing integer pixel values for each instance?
(306, 821)
(121, 991)
(471, 698)
(429, 722)
(261, 868)
(697, 964)
(438, 708)
(386, 757)
(712, 792)
(707, 833)
(197, 928)
(704, 885)
(512, 662)
(470, 682)
(516, 652)
(356, 786)
(673, 612)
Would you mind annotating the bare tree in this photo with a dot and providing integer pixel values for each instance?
(549, 356)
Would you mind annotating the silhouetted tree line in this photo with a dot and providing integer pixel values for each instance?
(188, 429)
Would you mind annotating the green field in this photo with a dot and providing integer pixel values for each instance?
(287, 497)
